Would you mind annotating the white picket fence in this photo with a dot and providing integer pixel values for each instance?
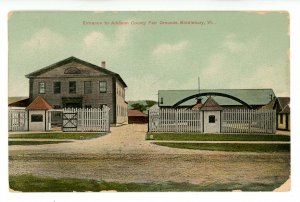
(17, 120)
(73, 119)
(86, 119)
(248, 121)
(175, 120)
(232, 121)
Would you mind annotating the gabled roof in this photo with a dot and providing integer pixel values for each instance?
(250, 96)
(19, 103)
(74, 59)
(278, 103)
(39, 103)
(132, 112)
(286, 110)
(283, 101)
(211, 105)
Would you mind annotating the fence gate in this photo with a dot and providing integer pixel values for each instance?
(17, 120)
(70, 121)
(175, 120)
(248, 121)
(232, 121)
(96, 120)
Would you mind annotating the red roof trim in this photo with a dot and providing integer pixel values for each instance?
(39, 103)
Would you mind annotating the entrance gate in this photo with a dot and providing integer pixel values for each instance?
(70, 121)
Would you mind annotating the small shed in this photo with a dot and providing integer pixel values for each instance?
(284, 118)
(211, 116)
(135, 116)
(38, 114)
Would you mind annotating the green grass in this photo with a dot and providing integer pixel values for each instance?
(216, 137)
(57, 135)
(234, 147)
(31, 183)
(34, 142)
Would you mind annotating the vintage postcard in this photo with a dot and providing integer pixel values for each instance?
(140, 101)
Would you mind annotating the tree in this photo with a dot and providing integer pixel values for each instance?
(138, 106)
(150, 103)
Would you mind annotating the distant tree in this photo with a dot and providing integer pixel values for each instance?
(150, 103)
(138, 106)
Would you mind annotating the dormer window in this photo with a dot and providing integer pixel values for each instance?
(72, 70)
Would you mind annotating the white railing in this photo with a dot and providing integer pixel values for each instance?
(17, 120)
(232, 120)
(248, 121)
(175, 120)
(86, 119)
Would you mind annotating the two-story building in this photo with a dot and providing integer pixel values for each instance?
(74, 83)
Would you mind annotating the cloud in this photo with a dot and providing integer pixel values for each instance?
(166, 49)
(232, 44)
(102, 43)
(44, 39)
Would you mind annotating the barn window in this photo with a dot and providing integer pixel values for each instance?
(42, 88)
(87, 87)
(36, 118)
(72, 87)
(211, 119)
(103, 86)
(56, 87)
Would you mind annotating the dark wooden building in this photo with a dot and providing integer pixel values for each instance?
(135, 116)
(74, 83)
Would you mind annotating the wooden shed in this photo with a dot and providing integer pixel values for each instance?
(38, 114)
(135, 116)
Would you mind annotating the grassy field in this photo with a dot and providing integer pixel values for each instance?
(30, 183)
(229, 147)
(56, 135)
(34, 142)
(216, 137)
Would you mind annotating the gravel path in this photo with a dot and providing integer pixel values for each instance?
(125, 156)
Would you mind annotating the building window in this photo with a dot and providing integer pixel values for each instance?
(42, 88)
(161, 100)
(36, 118)
(211, 119)
(103, 86)
(87, 87)
(56, 87)
(281, 118)
(72, 87)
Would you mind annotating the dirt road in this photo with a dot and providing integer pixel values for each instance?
(124, 156)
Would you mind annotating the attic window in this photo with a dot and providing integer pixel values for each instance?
(72, 70)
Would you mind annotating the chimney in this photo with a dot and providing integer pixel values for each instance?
(103, 65)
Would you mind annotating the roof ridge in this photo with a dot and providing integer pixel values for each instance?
(72, 58)
(39, 103)
(220, 89)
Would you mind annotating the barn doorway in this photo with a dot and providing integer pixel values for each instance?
(75, 102)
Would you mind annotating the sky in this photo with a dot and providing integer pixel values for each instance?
(151, 53)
